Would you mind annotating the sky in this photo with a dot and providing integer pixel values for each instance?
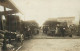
(40, 10)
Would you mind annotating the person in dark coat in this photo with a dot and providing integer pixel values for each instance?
(28, 32)
(46, 30)
(62, 29)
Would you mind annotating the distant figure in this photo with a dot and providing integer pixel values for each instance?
(45, 30)
(72, 30)
(37, 31)
(28, 32)
(62, 29)
(78, 30)
(57, 31)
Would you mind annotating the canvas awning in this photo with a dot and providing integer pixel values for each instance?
(9, 4)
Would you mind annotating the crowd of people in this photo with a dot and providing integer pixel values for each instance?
(61, 30)
(29, 31)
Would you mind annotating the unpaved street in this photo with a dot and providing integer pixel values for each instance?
(42, 42)
(51, 45)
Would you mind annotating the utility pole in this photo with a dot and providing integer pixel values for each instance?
(1, 24)
(2, 17)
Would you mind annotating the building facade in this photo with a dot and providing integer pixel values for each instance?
(69, 20)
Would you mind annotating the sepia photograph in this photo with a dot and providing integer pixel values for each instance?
(39, 25)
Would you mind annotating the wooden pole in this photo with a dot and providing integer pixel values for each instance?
(1, 24)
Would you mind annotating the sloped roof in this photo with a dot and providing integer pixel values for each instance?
(10, 5)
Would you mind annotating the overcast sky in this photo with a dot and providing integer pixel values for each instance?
(48, 8)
